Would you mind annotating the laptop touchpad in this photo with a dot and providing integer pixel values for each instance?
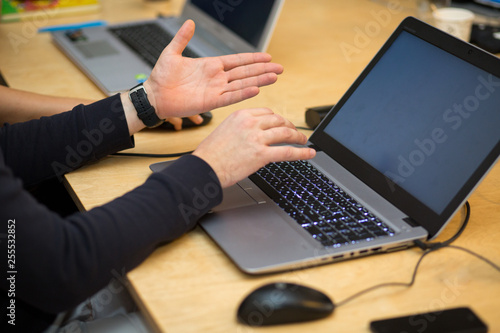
(234, 197)
(95, 49)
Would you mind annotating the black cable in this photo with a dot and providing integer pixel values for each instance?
(154, 155)
(428, 248)
(388, 284)
(414, 275)
(472, 253)
(425, 246)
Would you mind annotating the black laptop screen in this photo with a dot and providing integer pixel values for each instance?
(246, 18)
(423, 118)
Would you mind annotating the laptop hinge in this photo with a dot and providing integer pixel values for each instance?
(411, 221)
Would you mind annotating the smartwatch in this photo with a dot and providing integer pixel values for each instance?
(145, 111)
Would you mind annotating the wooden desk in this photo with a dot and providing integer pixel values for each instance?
(190, 285)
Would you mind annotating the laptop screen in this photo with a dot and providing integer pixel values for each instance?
(492, 3)
(248, 19)
(422, 117)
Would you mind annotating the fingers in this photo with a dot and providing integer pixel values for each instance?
(251, 75)
(278, 140)
(258, 111)
(197, 119)
(233, 97)
(243, 83)
(283, 135)
(241, 59)
(277, 130)
(275, 137)
(268, 119)
(237, 91)
(274, 128)
(177, 121)
(289, 153)
(256, 81)
(181, 38)
(253, 70)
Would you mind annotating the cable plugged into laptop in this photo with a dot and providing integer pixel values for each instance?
(438, 245)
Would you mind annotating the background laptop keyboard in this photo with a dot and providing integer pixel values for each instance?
(147, 40)
(321, 207)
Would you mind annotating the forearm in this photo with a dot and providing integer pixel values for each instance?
(20, 106)
(87, 249)
(59, 144)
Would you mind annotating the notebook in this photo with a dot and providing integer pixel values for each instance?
(407, 143)
(119, 57)
(15, 10)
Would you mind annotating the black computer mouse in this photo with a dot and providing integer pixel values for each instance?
(283, 303)
(187, 123)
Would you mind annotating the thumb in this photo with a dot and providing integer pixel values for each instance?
(181, 38)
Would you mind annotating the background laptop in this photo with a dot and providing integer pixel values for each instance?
(118, 57)
(410, 140)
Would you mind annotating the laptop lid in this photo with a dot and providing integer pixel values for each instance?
(420, 124)
(245, 26)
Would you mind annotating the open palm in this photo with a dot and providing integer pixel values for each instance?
(180, 86)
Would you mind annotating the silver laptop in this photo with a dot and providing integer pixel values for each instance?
(397, 157)
(118, 57)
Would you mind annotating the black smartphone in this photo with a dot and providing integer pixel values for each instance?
(457, 320)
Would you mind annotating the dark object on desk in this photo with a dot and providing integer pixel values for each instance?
(485, 36)
(457, 320)
(283, 303)
(2, 81)
(186, 123)
(316, 114)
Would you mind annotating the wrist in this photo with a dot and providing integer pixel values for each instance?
(216, 168)
(151, 94)
(145, 110)
(133, 122)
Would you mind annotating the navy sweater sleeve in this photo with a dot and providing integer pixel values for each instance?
(60, 262)
(52, 146)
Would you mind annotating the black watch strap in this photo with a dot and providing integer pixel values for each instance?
(145, 111)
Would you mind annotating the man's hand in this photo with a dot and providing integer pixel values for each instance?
(177, 121)
(241, 144)
(181, 87)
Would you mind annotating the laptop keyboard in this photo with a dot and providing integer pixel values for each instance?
(321, 207)
(147, 40)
